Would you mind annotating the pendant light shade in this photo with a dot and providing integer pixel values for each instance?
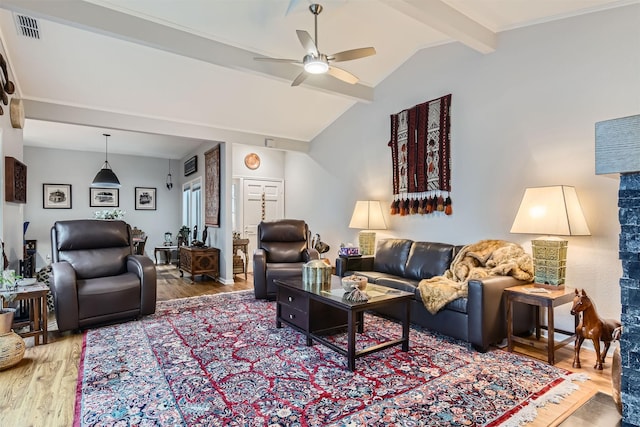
(105, 176)
(169, 181)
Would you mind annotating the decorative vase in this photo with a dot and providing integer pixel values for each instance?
(6, 320)
(11, 349)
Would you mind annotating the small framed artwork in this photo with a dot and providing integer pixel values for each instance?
(191, 166)
(56, 196)
(145, 198)
(109, 197)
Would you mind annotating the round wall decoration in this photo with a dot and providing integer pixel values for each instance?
(16, 112)
(252, 161)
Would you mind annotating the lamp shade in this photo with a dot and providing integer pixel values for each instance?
(367, 215)
(553, 210)
(106, 178)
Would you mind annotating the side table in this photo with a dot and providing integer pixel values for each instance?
(239, 264)
(167, 250)
(34, 298)
(539, 297)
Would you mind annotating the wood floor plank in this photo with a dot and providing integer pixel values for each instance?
(40, 390)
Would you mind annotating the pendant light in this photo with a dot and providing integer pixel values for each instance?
(169, 183)
(105, 177)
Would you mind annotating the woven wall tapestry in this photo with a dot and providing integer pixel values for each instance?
(212, 187)
(421, 157)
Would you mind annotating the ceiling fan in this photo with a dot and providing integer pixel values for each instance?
(316, 62)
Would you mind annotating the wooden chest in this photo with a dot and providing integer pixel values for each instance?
(204, 261)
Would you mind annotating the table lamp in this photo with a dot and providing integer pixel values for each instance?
(367, 215)
(552, 211)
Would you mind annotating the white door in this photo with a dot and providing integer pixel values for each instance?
(262, 200)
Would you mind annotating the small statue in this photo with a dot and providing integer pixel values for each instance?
(195, 232)
(205, 234)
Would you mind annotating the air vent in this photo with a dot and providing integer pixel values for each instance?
(27, 26)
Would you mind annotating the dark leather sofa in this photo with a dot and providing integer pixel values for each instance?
(96, 278)
(282, 249)
(479, 319)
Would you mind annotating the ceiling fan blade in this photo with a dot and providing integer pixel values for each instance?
(343, 75)
(307, 42)
(301, 77)
(348, 55)
(264, 58)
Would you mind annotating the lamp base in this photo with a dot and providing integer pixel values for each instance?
(367, 242)
(549, 261)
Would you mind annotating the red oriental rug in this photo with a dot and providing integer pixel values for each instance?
(219, 360)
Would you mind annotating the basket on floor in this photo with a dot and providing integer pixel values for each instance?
(11, 349)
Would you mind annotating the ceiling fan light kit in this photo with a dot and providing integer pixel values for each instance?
(315, 65)
(316, 62)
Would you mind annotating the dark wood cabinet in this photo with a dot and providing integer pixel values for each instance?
(195, 260)
(15, 180)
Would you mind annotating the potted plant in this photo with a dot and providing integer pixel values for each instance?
(8, 284)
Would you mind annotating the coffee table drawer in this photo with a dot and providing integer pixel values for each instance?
(295, 317)
(291, 298)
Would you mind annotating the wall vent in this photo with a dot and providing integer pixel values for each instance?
(27, 26)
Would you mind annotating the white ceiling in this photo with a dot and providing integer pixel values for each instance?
(174, 69)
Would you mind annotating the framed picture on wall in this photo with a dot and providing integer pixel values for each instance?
(191, 166)
(145, 198)
(56, 196)
(99, 197)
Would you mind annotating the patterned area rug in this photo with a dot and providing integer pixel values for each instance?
(219, 360)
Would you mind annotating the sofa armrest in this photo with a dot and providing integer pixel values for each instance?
(353, 263)
(144, 268)
(260, 273)
(65, 295)
(486, 310)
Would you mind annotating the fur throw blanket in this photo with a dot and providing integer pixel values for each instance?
(475, 261)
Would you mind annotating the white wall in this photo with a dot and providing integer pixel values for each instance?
(78, 168)
(521, 116)
(10, 213)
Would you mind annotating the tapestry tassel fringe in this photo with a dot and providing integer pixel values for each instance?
(422, 204)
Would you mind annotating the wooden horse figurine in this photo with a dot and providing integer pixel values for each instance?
(593, 327)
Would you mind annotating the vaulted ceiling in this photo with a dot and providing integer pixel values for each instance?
(179, 72)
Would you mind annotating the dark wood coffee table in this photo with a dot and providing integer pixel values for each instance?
(317, 311)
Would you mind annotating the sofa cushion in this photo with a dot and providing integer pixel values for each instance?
(459, 305)
(391, 256)
(398, 283)
(428, 259)
(106, 295)
(372, 276)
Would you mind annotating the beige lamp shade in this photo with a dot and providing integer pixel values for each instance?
(367, 215)
(551, 210)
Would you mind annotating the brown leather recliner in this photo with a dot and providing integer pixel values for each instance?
(96, 279)
(282, 249)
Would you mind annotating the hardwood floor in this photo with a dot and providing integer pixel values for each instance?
(40, 390)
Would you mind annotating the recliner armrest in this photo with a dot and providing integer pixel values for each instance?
(260, 273)
(65, 295)
(486, 310)
(143, 267)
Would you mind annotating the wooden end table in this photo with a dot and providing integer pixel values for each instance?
(545, 298)
(35, 299)
(167, 250)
